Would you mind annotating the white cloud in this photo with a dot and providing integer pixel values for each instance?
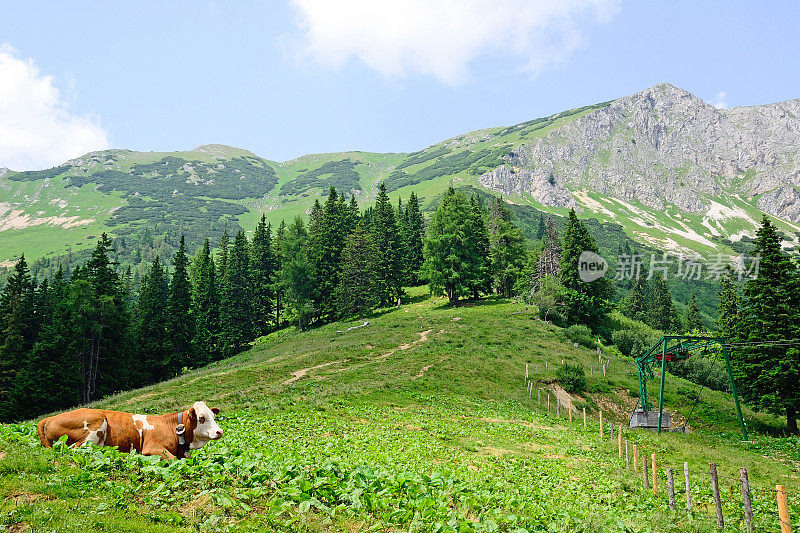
(720, 101)
(441, 37)
(36, 128)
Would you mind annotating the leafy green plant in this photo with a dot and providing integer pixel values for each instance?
(572, 378)
(581, 334)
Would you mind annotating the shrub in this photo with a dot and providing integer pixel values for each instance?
(572, 378)
(631, 341)
(581, 334)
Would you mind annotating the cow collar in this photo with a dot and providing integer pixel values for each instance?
(180, 431)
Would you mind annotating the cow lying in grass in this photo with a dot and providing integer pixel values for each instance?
(170, 436)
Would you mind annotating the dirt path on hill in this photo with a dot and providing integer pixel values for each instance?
(297, 374)
(423, 336)
(428, 367)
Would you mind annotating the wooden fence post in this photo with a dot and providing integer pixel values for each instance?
(627, 456)
(584, 418)
(546, 367)
(635, 457)
(569, 406)
(619, 441)
(558, 408)
(655, 473)
(688, 492)
(539, 394)
(783, 509)
(671, 489)
(715, 491)
(601, 424)
(748, 506)
(644, 473)
(548, 404)
(526, 373)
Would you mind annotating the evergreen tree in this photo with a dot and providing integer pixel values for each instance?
(262, 272)
(477, 240)
(541, 229)
(453, 264)
(661, 312)
(327, 232)
(236, 311)
(768, 375)
(728, 310)
(637, 301)
(588, 303)
(280, 238)
(206, 307)
(52, 361)
(224, 245)
(506, 248)
(180, 319)
(106, 361)
(353, 215)
(357, 291)
(693, 320)
(296, 277)
(414, 235)
(152, 337)
(383, 228)
(16, 332)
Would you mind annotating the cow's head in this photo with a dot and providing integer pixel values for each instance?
(202, 424)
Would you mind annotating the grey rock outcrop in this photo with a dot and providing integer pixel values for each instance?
(664, 146)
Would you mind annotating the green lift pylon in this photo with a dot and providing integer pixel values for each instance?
(677, 348)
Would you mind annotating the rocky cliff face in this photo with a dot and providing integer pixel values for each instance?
(664, 146)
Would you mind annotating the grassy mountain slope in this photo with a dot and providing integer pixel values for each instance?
(417, 421)
(202, 192)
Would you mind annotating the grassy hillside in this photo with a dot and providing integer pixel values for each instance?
(156, 196)
(418, 421)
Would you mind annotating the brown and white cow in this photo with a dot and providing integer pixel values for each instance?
(147, 434)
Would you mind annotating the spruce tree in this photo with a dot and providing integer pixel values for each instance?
(589, 301)
(50, 379)
(453, 262)
(224, 249)
(506, 248)
(107, 362)
(414, 235)
(296, 276)
(262, 272)
(728, 310)
(278, 247)
(327, 232)
(636, 303)
(206, 308)
(236, 311)
(152, 337)
(384, 231)
(768, 375)
(661, 309)
(541, 229)
(478, 271)
(357, 290)
(180, 319)
(693, 320)
(16, 332)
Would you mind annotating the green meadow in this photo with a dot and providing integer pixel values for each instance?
(419, 421)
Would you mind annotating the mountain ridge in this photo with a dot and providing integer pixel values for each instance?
(674, 171)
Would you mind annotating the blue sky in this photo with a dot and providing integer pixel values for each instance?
(284, 79)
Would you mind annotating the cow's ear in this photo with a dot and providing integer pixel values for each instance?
(215, 410)
(192, 414)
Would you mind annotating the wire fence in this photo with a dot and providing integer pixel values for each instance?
(721, 492)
